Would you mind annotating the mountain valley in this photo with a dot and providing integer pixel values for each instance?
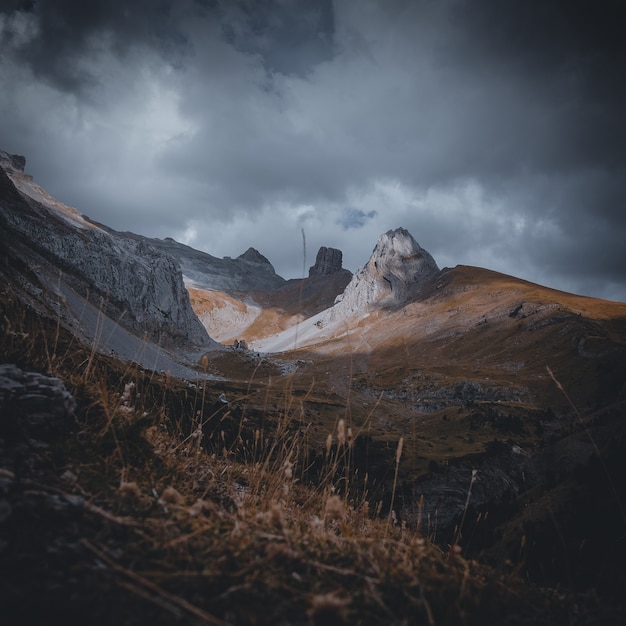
(477, 410)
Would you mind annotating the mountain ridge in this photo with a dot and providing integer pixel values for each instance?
(465, 398)
(250, 271)
(92, 277)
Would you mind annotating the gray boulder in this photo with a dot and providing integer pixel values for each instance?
(36, 400)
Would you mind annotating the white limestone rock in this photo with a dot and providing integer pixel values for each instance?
(394, 275)
(395, 272)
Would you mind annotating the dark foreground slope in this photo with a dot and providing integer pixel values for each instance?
(132, 498)
(510, 399)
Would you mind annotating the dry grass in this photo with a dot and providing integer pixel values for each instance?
(156, 503)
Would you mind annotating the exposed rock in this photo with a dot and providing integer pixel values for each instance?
(250, 271)
(240, 345)
(132, 281)
(328, 261)
(492, 481)
(430, 398)
(445, 494)
(394, 273)
(36, 401)
(33, 407)
(251, 255)
(13, 161)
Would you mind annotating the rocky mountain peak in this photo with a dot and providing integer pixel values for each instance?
(12, 161)
(394, 273)
(129, 280)
(252, 255)
(328, 261)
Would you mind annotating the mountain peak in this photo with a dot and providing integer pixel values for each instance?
(328, 261)
(394, 273)
(12, 161)
(252, 255)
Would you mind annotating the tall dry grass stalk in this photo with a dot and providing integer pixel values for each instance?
(395, 480)
(459, 530)
(616, 495)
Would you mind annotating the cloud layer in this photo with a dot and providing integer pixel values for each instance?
(493, 131)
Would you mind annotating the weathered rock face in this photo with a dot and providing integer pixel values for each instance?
(250, 271)
(394, 273)
(37, 400)
(135, 283)
(490, 483)
(486, 483)
(241, 345)
(16, 161)
(33, 408)
(252, 255)
(328, 261)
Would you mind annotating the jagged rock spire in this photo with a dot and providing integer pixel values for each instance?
(328, 261)
(396, 270)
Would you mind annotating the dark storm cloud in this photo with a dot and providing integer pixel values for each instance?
(64, 32)
(561, 131)
(571, 54)
(291, 37)
(572, 57)
(494, 131)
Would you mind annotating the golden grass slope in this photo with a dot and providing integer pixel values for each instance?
(253, 315)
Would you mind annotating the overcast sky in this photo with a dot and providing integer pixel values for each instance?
(494, 131)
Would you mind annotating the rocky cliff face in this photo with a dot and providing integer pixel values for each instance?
(393, 276)
(250, 271)
(328, 261)
(395, 272)
(135, 283)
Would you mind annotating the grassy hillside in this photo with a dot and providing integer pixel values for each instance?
(157, 502)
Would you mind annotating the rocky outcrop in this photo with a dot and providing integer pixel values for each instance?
(488, 484)
(36, 395)
(433, 397)
(252, 255)
(395, 272)
(31, 400)
(250, 271)
(437, 500)
(15, 161)
(130, 280)
(328, 261)
(394, 275)
(241, 345)
(33, 408)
